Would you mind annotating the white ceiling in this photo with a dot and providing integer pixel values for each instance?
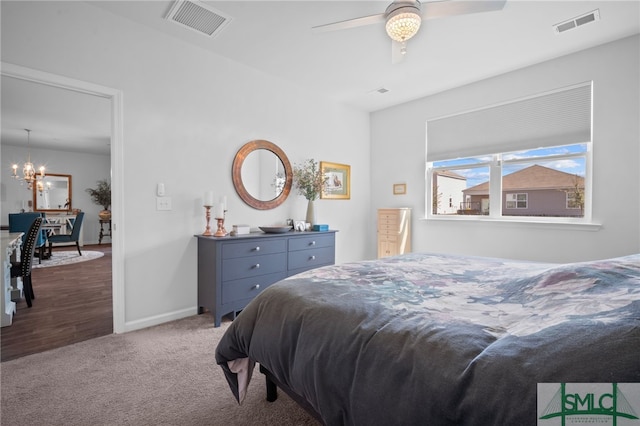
(350, 65)
(58, 118)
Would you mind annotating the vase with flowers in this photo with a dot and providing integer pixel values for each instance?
(309, 181)
(101, 195)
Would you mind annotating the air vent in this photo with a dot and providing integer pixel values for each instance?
(198, 16)
(592, 16)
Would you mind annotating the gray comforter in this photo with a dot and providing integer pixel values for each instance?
(424, 339)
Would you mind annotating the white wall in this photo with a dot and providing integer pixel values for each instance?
(398, 146)
(85, 170)
(186, 113)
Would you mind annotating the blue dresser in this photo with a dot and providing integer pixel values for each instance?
(234, 270)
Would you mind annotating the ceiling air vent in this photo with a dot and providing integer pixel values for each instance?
(594, 15)
(198, 16)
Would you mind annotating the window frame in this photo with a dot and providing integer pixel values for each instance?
(517, 200)
(495, 165)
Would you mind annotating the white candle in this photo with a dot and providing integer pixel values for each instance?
(219, 211)
(223, 202)
(208, 198)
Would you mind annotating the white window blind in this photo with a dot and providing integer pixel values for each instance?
(561, 117)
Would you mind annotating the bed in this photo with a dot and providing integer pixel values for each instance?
(438, 339)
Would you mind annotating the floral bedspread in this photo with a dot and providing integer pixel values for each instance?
(440, 339)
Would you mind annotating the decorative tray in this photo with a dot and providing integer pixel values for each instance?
(275, 229)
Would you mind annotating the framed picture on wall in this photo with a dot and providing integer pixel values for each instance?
(399, 188)
(337, 181)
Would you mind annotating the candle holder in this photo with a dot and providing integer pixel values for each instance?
(207, 231)
(221, 232)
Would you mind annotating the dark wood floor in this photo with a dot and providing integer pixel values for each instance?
(73, 303)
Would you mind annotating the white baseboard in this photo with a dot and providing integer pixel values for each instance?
(159, 319)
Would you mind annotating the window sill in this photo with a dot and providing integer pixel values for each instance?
(555, 223)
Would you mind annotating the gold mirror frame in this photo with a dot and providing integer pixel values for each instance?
(236, 172)
(66, 206)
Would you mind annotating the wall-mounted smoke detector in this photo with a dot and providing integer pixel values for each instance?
(572, 23)
(198, 16)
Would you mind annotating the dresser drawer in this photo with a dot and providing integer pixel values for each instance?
(388, 218)
(248, 288)
(311, 258)
(388, 225)
(245, 267)
(388, 228)
(387, 238)
(311, 241)
(252, 248)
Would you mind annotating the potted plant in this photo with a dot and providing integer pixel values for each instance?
(309, 180)
(101, 195)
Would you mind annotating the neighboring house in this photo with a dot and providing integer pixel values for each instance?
(533, 191)
(447, 192)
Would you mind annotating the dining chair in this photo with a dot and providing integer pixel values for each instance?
(73, 237)
(21, 222)
(23, 267)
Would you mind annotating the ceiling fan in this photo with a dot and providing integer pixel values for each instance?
(402, 18)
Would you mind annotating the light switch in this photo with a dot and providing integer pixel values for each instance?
(163, 203)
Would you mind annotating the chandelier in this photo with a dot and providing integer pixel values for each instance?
(403, 22)
(28, 170)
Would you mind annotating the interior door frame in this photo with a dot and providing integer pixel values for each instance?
(117, 194)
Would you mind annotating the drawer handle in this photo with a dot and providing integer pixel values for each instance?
(257, 248)
(256, 266)
(313, 243)
(312, 258)
(255, 287)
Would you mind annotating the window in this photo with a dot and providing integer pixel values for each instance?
(528, 158)
(547, 182)
(453, 178)
(516, 201)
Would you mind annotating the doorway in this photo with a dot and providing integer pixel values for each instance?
(114, 97)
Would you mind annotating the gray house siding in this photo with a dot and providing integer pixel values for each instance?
(549, 202)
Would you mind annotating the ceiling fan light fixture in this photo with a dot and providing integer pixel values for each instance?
(403, 23)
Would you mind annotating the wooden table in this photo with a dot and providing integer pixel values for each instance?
(11, 241)
(102, 233)
(52, 227)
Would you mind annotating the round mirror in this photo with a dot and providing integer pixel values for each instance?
(262, 174)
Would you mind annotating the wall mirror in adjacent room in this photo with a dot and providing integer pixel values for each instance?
(52, 193)
(262, 174)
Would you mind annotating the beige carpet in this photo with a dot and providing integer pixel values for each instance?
(164, 375)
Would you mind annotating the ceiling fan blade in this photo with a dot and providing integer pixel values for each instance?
(350, 23)
(441, 9)
(396, 52)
